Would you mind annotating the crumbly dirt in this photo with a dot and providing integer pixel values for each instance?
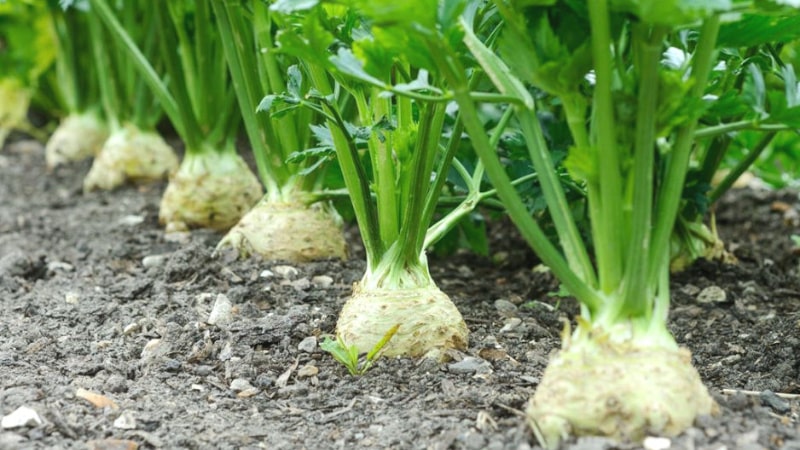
(95, 296)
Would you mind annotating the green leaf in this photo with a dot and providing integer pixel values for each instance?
(580, 164)
(758, 29)
(278, 105)
(671, 12)
(347, 63)
(382, 343)
(316, 152)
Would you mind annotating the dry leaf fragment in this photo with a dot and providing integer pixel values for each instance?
(112, 444)
(99, 401)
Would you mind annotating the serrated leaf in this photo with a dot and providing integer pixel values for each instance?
(278, 106)
(580, 164)
(347, 63)
(299, 157)
(758, 29)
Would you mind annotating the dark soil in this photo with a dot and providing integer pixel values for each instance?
(95, 296)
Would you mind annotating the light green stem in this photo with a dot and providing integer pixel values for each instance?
(608, 242)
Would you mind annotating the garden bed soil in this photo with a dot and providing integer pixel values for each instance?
(96, 299)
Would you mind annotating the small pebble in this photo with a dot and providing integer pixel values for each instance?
(125, 421)
(308, 345)
(131, 328)
(59, 266)
(240, 384)
(71, 298)
(231, 275)
(505, 308)
(153, 348)
(21, 417)
(154, 260)
(511, 324)
(470, 365)
(266, 274)
(780, 406)
(711, 294)
(301, 284)
(222, 312)
(322, 281)
(288, 272)
(307, 371)
(178, 237)
(131, 220)
(656, 443)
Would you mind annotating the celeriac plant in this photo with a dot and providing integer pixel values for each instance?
(134, 151)
(73, 89)
(752, 100)
(393, 147)
(213, 187)
(620, 373)
(289, 223)
(602, 380)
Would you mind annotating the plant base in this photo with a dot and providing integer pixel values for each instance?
(429, 322)
(130, 155)
(209, 191)
(617, 391)
(288, 231)
(78, 137)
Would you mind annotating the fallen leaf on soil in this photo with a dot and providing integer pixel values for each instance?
(112, 444)
(780, 206)
(99, 401)
(492, 354)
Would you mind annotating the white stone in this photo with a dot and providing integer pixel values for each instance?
(712, 294)
(154, 260)
(322, 281)
(71, 298)
(656, 443)
(240, 384)
(125, 421)
(287, 272)
(54, 266)
(222, 312)
(308, 344)
(131, 220)
(21, 417)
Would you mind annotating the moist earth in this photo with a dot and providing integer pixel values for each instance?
(98, 305)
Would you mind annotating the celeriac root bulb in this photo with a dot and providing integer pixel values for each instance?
(288, 231)
(130, 154)
(209, 190)
(429, 322)
(619, 391)
(78, 137)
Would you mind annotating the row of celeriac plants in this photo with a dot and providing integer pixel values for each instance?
(653, 94)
